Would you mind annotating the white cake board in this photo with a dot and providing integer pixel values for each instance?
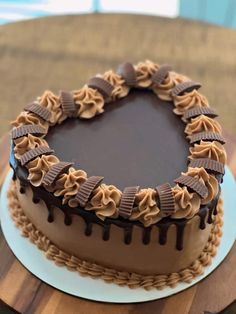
(95, 289)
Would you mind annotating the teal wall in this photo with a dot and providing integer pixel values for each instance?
(222, 12)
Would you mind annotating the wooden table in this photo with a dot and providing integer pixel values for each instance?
(62, 52)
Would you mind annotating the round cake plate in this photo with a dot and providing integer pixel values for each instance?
(95, 289)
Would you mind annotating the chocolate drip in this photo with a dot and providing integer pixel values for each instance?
(163, 234)
(88, 228)
(202, 216)
(215, 211)
(146, 235)
(67, 220)
(35, 200)
(180, 234)
(22, 190)
(212, 212)
(220, 179)
(128, 234)
(39, 193)
(14, 176)
(213, 207)
(50, 213)
(106, 232)
(23, 186)
(210, 218)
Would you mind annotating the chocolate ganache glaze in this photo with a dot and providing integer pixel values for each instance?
(141, 142)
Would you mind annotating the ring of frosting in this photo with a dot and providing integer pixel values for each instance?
(105, 200)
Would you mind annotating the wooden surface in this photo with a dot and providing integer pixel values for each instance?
(62, 52)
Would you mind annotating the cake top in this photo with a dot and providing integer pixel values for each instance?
(126, 145)
(195, 187)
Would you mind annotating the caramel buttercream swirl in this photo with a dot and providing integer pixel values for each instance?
(203, 123)
(208, 180)
(163, 90)
(105, 201)
(189, 100)
(39, 167)
(147, 210)
(53, 104)
(187, 204)
(68, 184)
(120, 88)
(212, 150)
(144, 72)
(25, 143)
(26, 117)
(89, 102)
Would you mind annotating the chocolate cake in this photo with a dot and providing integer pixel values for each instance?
(120, 180)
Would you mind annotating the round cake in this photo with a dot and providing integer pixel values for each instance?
(120, 180)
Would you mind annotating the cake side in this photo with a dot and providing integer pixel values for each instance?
(106, 244)
(94, 270)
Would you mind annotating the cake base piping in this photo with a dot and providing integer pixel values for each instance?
(122, 278)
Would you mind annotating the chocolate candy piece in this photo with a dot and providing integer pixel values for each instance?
(27, 129)
(40, 111)
(209, 136)
(86, 190)
(166, 198)
(127, 201)
(184, 87)
(127, 71)
(104, 87)
(33, 153)
(55, 171)
(67, 103)
(208, 164)
(159, 76)
(193, 184)
(197, 111)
